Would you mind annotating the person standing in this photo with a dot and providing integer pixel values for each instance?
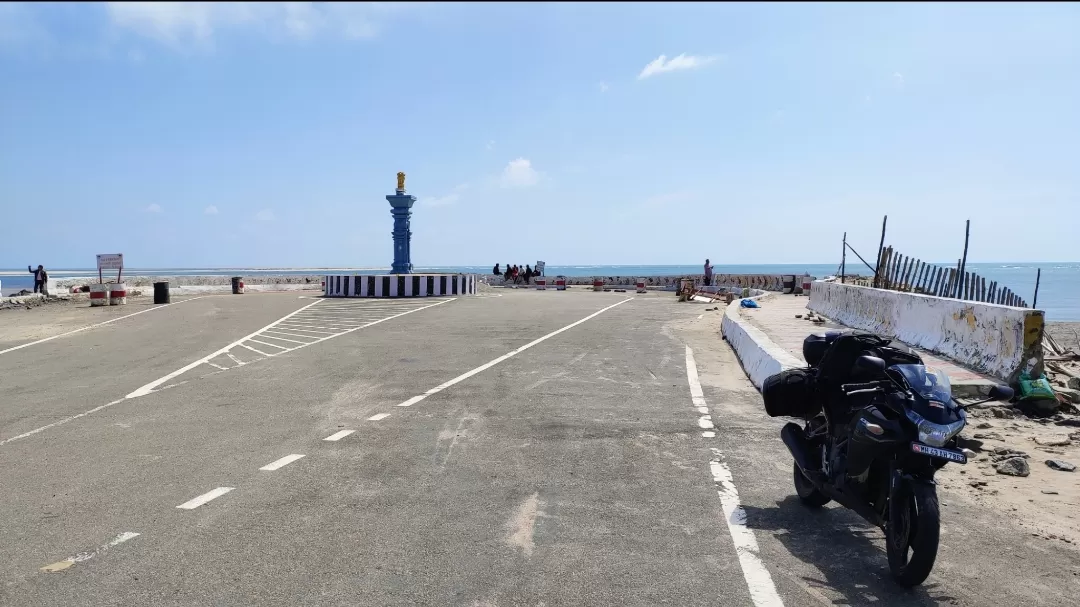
(41, 278)
(708, 273)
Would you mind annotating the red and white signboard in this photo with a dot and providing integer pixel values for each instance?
(110, 261)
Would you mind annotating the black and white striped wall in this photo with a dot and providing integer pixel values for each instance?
(400, 285)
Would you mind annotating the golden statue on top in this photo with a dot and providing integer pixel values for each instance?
(401, 181)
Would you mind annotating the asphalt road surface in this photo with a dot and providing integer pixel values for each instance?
(534, 448)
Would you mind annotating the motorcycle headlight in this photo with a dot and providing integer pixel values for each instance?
(935, 435)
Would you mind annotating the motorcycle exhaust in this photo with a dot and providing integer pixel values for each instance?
(795, 439)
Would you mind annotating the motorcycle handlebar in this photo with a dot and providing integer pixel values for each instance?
(850, 389)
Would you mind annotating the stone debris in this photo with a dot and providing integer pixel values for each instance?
(1014, 466)
(1053, 440)
(988, 436)
(983, 425)
(1049, 492)
(1060, 465)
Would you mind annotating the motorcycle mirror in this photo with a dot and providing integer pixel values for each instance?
(870, 363)
(1001, 393)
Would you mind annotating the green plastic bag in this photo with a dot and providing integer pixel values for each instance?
(1035, 389)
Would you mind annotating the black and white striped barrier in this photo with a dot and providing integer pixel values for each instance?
(400, 285)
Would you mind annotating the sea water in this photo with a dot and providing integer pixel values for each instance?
(1059, 287)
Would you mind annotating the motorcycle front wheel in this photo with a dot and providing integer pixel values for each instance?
(912, 533)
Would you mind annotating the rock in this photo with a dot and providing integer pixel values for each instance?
(1072, 395)
(1060, 465)
(1049, 492)
(977, 484)
(1053, 440)
(988, 436)
(798, 316)
(1015, 466)
(983, 425)
(1002, 413)
(1073, 383)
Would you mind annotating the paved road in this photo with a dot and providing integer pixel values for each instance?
(540, 460)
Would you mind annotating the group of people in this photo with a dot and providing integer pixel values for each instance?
(514, 273)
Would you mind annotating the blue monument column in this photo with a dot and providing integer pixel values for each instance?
(401, 208)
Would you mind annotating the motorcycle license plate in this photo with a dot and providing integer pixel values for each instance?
(947, 454)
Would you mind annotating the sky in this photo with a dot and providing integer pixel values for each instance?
(268, 135)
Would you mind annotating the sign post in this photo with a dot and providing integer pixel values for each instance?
(110, 261)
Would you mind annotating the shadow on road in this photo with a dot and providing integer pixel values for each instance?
(845, 549)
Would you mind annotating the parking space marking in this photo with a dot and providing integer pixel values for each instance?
(377, 417)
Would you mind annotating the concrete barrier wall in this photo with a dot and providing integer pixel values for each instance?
(764, 282)
(399, 285)
(998, 340)
(760, 357)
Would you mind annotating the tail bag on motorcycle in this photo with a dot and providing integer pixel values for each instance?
(790, 393)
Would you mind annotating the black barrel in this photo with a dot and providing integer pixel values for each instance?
(237, 285)
(161, 292)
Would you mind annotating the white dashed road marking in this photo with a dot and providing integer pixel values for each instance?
(86, 556)
(760, 583)
(281, 463)
(195, 502)
(375, 418)
(339, 435)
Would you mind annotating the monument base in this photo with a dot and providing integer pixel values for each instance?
(399, 285)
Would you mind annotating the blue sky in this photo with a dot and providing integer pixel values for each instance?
(268, 135)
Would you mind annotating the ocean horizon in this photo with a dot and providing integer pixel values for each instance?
(1059, 287)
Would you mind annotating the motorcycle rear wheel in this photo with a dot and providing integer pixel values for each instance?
(912, 533)
(807, 492)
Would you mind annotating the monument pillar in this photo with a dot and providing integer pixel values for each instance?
(401, 208)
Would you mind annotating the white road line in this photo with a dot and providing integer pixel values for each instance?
(195, 502)
(412, 401)
(148, 388)
(339, 435)
(217, 366)
(377, 417)
(292, 328)
(100, 324)
(290, 335)
(59, 422)
(281, 463)
(86, 556)
(266, 343)
(254, 350)
(762, 590)
(292, 341)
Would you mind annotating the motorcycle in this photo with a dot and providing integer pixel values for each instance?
(873, 445)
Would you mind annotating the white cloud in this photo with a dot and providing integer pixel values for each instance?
(178, 23)
(491, 145)
(898, 80)
(441, 201)
(265, 215)
(211, 210)
(519, 174)
(662, 64)
(603, 86)
(154, 208)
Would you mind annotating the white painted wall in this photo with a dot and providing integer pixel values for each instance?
(760, 357)
(987, 337)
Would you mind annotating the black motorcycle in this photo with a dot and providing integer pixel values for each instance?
(878, 425)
